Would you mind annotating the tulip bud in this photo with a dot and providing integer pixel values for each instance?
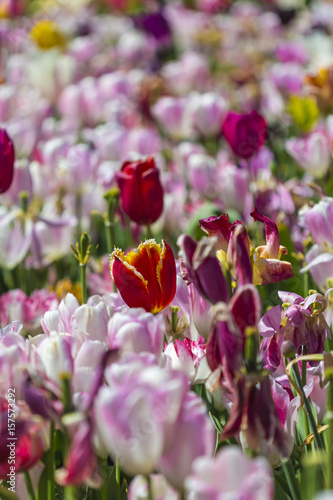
(141, 191)
(7, 157)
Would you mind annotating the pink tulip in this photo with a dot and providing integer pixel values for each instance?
(136, 330)
(194, 437)
(312, 153)
(137, 415)
(230, 475)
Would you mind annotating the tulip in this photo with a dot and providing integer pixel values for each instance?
(312, 153)
(138, 413)
(141, 191)
(146, 276)
(156, 25)
(7, 157)
(202, 268)
(300, 321)
(245, 133)
(189, 357)
(135, 330)
(231, 475)
(160, 489)
(220, 227)
(209, 111)
(194, 437)
(267, 265)
(28, 439)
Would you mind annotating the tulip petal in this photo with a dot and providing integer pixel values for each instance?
(166, 275)
(273, 270)
(272, 234)
(131, 285)
(245, 306)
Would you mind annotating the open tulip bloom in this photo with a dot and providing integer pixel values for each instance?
(166, 250)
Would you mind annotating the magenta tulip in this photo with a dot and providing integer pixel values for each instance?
(244, 133)
(7, 157)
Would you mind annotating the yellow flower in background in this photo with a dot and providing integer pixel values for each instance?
(47, 35)
(305, 112)
(65, 286)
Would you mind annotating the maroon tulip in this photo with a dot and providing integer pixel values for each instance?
(245, 133)
(7, 157)
(141, 191)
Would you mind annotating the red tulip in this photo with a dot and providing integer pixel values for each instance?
(146, 276)
(245, 133)
(141, 191)
(7, 157)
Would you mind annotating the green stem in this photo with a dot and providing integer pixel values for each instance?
(329, 416)
(29, 486)
(78, 209)
(110, 241)
(69, 493)
(149, 233)
(311, 419)
(83, 268)
(292, 481)
(305, 279)
(174, 318)
(118, 480)
(109, 233)
(50, 482)
(150, 491)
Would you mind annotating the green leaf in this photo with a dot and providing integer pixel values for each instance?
(216, 422)
(42, 485)
(7, 495)
(281, 487)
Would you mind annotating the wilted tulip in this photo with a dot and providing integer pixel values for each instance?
(202, 268)
(7, 157)
(267, 265)
(146, 276)
(245, 133)
(141, 191)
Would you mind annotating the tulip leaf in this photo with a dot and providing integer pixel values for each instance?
(217, 424)
(281, 491)
(43, 483)
(7, 495)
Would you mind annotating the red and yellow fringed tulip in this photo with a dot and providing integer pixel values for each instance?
(145, 276)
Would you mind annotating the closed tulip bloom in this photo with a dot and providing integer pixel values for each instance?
(146, 276)
(245, 133)
(141, 191)
(7, 157)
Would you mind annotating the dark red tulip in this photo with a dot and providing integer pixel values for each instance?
(141, 191)
(245, 133)
(7, 157)
(146, 276)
